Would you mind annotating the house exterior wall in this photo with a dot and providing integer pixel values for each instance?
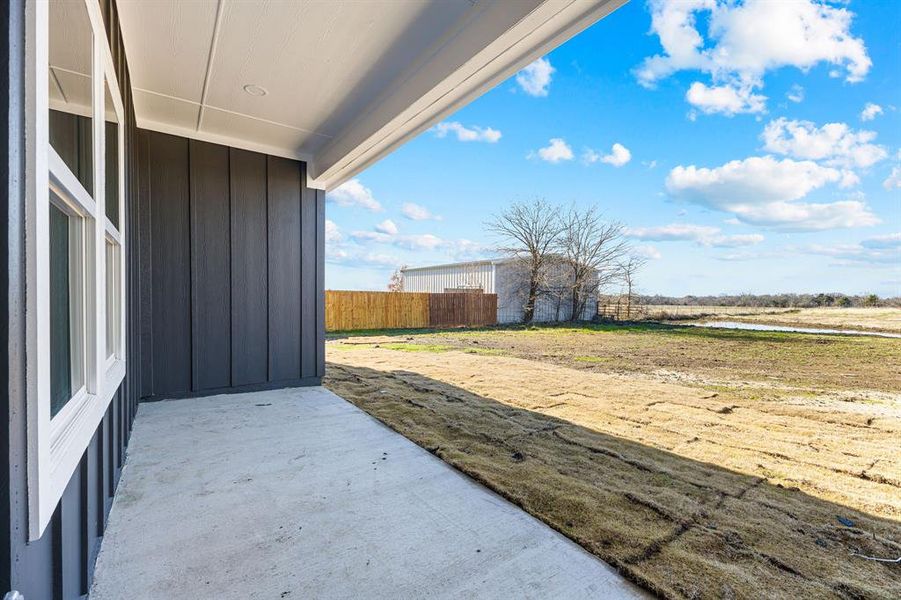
(58, 565)
(246, 280)
(438, 279)
(232, 294)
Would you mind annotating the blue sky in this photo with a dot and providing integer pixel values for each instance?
(755, 152)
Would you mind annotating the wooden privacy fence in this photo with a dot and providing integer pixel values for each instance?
(466, 309)
(349, 311)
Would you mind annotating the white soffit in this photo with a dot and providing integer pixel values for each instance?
(346, 82)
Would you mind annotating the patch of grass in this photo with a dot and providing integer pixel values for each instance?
(337, 335)
(338, 346)
(405, 347)
(412, 347)
(591, 359)
(485, 351)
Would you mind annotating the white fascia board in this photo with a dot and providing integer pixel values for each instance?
(424, 97)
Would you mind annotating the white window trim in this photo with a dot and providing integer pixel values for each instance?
(55, 446)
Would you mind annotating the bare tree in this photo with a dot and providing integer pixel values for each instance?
(396, 283)
(628, 269)
(592, 249)
(530, 231)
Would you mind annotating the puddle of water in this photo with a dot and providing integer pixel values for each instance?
(765, 327)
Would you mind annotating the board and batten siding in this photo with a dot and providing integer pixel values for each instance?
(60, 564)
(233, 245)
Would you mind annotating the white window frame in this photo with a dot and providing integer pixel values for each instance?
(55, 445)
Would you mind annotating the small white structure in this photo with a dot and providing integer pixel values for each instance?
(506, 277)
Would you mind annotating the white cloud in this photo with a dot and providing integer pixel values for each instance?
(339, 251)
(727, 99)
(417, 212)
(648, 252)
(754, 179)
(387, 226)
(883, 250)
(387, 233)
(834, 143)
(332, 232)
(556, 151)
(423, 241)
(796, 93)
(744, 41)
(673, 232)
(808, 216)
(373, 236)
(893, 181)
(883, 242)
(535, 79)
(618, 156)
(363, 258)
(870, 112)
(737, 240)
(361, 247)
(861, 253)
(703, 235)
(765, 191)
(473, 133)
(354, 193)
(749, 255)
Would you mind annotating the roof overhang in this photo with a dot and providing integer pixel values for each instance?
(346, 83)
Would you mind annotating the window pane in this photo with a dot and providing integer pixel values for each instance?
(60, 329)
(111, 158)
(112, 298)
(71, 88)
(66, 288)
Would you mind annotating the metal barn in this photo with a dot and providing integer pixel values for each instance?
(506, 277)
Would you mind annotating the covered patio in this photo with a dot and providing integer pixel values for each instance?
(168, 164)
(296, 493)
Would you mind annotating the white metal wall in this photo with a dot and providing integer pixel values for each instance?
(553, 305)
(439, 279)
(506, 279)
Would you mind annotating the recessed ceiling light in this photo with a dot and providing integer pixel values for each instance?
(255, 90)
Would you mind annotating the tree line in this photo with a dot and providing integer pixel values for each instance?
(817, 300)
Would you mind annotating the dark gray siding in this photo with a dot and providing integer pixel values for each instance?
(210, 244)
(60, 564)
(249, 271)
(170, 260)
(284, 182)
(233, 262)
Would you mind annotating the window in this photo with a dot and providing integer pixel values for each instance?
(113, 241)
(76, 241)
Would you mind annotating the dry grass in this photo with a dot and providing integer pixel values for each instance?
(722, 481)
(876, 319)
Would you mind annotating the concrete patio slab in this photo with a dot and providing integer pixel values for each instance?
(298, 494)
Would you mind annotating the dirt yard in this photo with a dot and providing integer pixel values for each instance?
(701, 463)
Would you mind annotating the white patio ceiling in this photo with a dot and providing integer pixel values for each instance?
(345, 82)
